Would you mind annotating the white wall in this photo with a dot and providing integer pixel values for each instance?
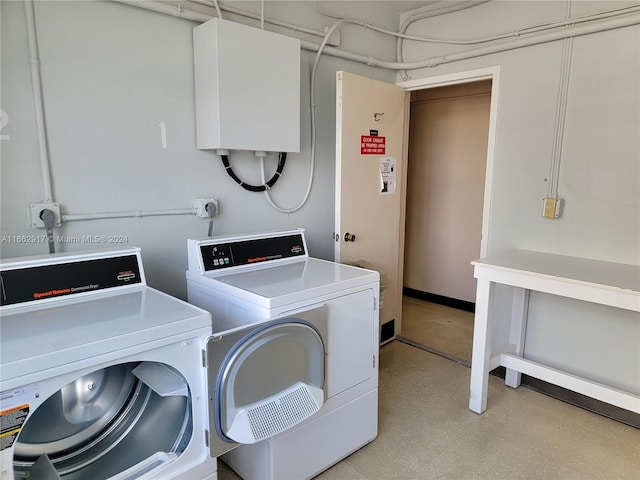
(111, 73)
(599, 175)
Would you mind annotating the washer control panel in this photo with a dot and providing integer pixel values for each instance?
(240, 252)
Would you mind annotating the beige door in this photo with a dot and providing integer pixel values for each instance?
(370, 178)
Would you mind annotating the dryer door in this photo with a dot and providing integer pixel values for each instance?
(265, 378)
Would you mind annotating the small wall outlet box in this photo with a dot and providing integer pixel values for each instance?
(200, 207)
(552, 207)
(37, 208)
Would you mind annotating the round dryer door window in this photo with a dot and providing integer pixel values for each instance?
(270, 379)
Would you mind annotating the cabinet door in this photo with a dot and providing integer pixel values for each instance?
(352, 340)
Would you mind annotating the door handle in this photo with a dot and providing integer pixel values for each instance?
(349, 237)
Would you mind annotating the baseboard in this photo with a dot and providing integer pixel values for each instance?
(440, 299)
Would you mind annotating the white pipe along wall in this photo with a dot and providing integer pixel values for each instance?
(38, 103)
(187, 14)
(429, 62)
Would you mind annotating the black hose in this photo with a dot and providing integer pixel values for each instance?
(256, 188)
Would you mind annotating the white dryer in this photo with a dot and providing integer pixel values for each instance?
(102, 376)
(266, 276)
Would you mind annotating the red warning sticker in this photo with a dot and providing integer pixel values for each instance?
(372, 145)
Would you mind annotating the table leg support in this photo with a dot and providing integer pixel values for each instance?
(519, 310)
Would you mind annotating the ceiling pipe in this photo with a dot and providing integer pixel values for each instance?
(601, 26)
(272, 21)
(487, 50)
(578, 31)
(168, 9)
(435, 10)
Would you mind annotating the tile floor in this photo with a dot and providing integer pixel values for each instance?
(427, 432)
(444, 329)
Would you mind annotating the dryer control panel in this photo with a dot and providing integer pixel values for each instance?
(28, 280)
(227, 252)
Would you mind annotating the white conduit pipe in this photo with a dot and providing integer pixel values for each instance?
(38, 103)
(430, 62)
(626, 21)
(601, 26)
(428, 13)
(168, 9)
(203, 17)
(524, 30)
(40, 119)
(272, 21)
(312, 160)
(561, 113)
(138, 214)
(215, 2)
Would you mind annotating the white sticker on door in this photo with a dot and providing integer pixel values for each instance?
(387, 175)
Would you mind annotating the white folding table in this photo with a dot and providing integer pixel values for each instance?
(613, 284)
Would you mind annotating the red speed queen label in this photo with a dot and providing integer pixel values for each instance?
(372, 145)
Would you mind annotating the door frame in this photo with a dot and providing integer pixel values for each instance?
(489, 73)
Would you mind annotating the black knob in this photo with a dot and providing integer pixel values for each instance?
(349, 237)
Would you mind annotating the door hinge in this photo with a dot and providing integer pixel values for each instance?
(375, 303)
(207, 440)
(374, 362)
(204, 358)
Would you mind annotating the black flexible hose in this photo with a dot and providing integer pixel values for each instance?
(256, 188)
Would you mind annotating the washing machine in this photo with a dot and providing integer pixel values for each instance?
(265, 276)
(102, 376)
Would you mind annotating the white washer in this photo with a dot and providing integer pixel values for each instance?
(264, 276)
(102, 376)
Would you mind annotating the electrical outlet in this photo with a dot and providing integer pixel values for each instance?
(551, 207)
(37, 208)
(548, 207)
(200, 207)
